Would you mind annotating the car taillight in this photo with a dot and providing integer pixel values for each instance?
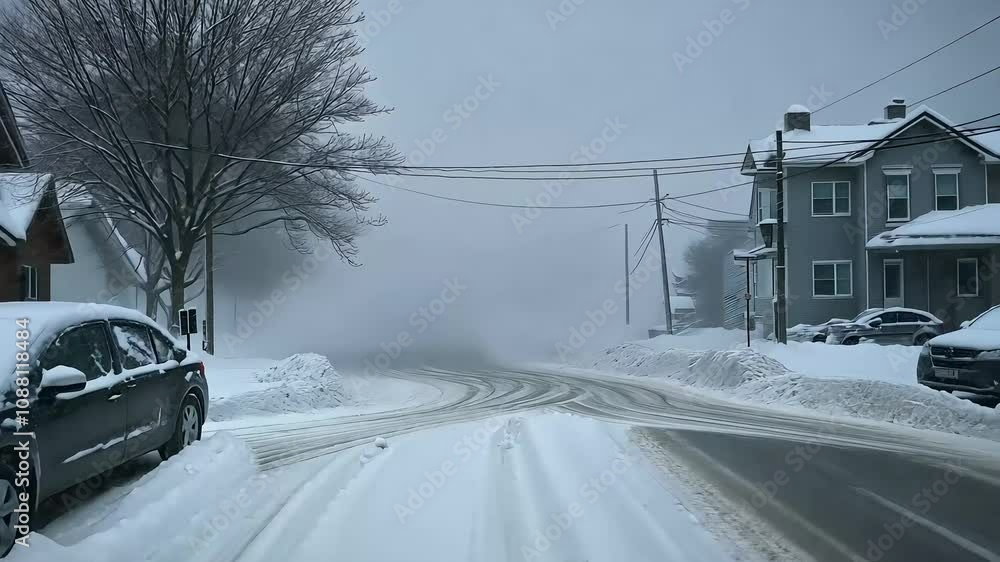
(201, 369)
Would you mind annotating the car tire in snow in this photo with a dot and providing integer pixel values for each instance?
(921, 339)
(8, 501)
(851, 341)
(187, 430)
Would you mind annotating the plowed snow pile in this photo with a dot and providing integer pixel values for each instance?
(748, 375)
(300, 383)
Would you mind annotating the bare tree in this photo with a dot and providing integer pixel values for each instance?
(177, 114)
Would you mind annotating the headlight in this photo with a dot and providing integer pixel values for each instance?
(926, 349)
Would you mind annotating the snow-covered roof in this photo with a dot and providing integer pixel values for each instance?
(20, 195)
(978, 225)
(681, 302)
(826, 143)
(757, 253)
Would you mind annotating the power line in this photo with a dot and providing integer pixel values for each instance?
(950, 88)
(820, 167)
(646, 247)
(502, 205)
(902, 68)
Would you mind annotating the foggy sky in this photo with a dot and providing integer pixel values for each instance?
(549, 84)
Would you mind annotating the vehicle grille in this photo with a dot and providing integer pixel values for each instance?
(954, 352)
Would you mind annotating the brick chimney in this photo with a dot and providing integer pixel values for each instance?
(896, 109)
(797, 117)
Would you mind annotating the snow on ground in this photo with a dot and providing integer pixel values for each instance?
(301, 383)
(546, 487)
(867, 381)
(539, 487)
(167, 511)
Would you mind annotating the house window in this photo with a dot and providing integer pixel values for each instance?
(29, 283)
(832, 279)
(897, 189)
(945, 191)
(765, 205)
(968, 277)
(831, 198)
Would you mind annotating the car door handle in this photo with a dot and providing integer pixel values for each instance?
(114, 397)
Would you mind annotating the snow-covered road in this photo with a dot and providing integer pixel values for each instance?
(541, 464)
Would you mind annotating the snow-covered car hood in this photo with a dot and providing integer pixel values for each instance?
(969, 338)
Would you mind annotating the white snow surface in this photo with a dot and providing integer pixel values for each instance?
(168, 511)
(865, 381)
(550, 487)
(301, 383)
(976, 224)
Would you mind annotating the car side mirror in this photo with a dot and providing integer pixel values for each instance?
(875, 322)
(964, 324)
(61, 379)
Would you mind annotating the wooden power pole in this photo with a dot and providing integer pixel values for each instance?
(781, 303)
(627, 282)
(663, 255)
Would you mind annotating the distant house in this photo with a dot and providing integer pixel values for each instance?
(32, 233)
(901, 211)
(107, 268)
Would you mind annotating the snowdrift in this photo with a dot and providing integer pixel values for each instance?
(184, 503)
(301, 383)
(751, 376)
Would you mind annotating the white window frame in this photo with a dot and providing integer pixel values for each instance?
(836, 294)
(812, 200)
(958, 276)
(30, 274)
(888, 206)
(947, 172)
(771, 193)
(902, 277)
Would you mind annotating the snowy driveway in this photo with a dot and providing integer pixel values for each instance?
(496, 469)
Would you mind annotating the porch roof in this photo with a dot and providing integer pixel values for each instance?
(758, 253)
(971, 227)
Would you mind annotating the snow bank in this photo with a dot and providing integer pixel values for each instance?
(762, 376)
(889, 363)
(198, 490)
(301, 383)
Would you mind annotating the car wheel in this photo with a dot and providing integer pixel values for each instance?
(8, 502)
(851, 341)
(921, 339)
(819, 338)
(187, 430)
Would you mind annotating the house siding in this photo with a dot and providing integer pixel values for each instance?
(923, 159)
(810, 239)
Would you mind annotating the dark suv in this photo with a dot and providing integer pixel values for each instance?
(967, 359)
(86, 388)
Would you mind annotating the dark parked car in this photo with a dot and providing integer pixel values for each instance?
(896, 325)
(97, 386)
(967, 359)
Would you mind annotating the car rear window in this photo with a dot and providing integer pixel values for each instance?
(165, 349)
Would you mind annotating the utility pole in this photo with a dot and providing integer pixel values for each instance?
(627, 275)
(780, 312)
(209, 334)
(663, 255)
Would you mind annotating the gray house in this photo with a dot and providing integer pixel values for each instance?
(901, 211)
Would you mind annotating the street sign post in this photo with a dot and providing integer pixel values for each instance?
(188, 321)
